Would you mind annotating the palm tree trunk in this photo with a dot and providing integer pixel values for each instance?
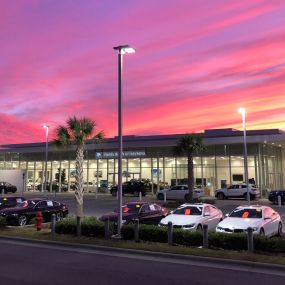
(79, 182)
(190, 177)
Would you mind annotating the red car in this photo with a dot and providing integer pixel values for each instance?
(145, 212)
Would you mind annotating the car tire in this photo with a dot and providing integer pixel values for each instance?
(262, 232)
(221, 196)
(252, 197)
(245, 196)
(279, 233)
(199, 228)
(136, 193)
(160, 196)
(59, 216)
(22, 220)
(114, 193)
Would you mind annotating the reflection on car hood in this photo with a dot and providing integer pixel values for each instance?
(239, 223)
(181, 219)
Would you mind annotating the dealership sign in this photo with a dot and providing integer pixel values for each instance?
(114, 154)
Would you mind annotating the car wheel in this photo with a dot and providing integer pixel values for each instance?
(186, 197)
(22, 220)
(136, 193)
(252, 197)
(279, 233)
(160, 196)
(221, 196)
(114, 193)
(199, 228)
(261, 232)
(59, 216)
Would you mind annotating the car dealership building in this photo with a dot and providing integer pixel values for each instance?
(153, 158)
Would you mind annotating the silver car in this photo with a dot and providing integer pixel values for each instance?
(179, 192)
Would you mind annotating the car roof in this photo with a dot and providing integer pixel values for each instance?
(252, 207)
(194, 205)
(137, 203)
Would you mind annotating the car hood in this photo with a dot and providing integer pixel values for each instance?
(113, 217)
(239, 223)
(181, 220)
(11, 210)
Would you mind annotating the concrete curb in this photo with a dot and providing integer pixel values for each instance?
(215, 260)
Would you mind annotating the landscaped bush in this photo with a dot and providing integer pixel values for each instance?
(90, 226)
(3, 223)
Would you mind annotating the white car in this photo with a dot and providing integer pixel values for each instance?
(192, 217)
(263, 219)
(237, 191)
(179, 192)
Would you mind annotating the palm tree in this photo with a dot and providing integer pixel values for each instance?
(77, 131)
(188, 145)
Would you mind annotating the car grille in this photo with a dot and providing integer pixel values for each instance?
(177, 227)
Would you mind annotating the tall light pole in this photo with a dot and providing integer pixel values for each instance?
(242, 111)
(45, 177)
(123, 49)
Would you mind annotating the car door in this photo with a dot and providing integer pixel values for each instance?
(208, 218)
(172, 192)
(233, 191)
(271, 221)
(145, 215)
(216, 216)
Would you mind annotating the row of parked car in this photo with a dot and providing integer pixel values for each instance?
(20, 211)
(262, 219)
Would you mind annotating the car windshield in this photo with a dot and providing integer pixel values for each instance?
(190, 210)
(246, 213)
(131, 208)
(28, 204)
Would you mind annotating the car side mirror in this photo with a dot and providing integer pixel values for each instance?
(226, 215)
(171, 212)
(267, 218)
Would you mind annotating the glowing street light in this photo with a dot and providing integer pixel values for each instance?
(242, 111)
(45, 178)
(123, 49)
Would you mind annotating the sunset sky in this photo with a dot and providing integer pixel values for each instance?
(196, 62)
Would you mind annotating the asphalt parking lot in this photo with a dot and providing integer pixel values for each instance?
(104, 203)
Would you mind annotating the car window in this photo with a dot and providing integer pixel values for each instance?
(247, 213)
(145, 208)
(131, 208)
(42, 204)
(174, 188)
(190, 210)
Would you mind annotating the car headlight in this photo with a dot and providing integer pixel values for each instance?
(255, 229)
(189, 225)
(14, 215)
(124, 221)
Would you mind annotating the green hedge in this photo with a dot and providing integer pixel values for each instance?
(3, 223)
(90, 226)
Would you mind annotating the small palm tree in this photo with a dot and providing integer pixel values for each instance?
(189, 145)
(77, 131)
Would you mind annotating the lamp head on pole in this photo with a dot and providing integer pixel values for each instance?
(45, 126)
(241, 110)
(124, 49)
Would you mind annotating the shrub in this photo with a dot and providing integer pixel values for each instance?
(3, 223)
(90, 226)
(228, 241)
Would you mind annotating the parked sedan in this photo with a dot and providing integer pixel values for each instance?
(273, 196)
(22, 214)
(262, 219)
(9, 202)
(192, 217)
(179, 192)
(7, 187)
(145, 212)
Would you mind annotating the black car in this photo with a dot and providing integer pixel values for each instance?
(8, 202)
(273, 196)
(7, 187)
(23, 213)
(133, 187)
(145, 212)
(54, 187)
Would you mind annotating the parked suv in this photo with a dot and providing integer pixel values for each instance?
(7, 187)
(237, 191)
(133, 187)
(273, 196)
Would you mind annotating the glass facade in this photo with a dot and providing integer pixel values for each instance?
(219, 166)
